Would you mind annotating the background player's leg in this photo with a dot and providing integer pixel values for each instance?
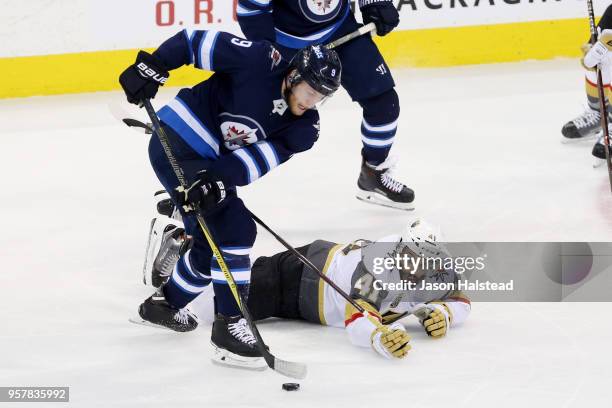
(587, 124)
(376, 183)
(599, 150)
(367, 79)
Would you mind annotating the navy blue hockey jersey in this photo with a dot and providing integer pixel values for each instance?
(237, 118)
(291, 23)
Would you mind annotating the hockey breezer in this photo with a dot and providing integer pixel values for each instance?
(287, 368)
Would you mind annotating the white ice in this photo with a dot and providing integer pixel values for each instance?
(479, 145)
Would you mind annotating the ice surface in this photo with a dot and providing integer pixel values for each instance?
(480, 146)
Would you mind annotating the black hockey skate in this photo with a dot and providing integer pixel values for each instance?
(156, 311)
(376, 185)
(584, 126)
(234, 344)
(599, 150)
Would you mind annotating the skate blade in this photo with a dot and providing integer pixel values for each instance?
(597, 163)
(140, 321)
(377, 199)
(228, 359)
(567, 140)
(147, 269)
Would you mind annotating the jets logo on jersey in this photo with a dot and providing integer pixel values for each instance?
(320, 11)
(235, 138)
(239, 131)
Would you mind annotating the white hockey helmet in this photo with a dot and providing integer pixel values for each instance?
(422, 239)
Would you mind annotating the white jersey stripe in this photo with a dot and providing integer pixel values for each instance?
(186, 286)
(207, 49)
(380, 128)
(377, 143)
(312, 37)
(263, 3)
(239, 275)
(267, 151)
(249, 164)
(236, 250)
(194, 123)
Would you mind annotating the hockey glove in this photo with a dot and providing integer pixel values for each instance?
(380, 12)
(142, 79)
(365, 328)
(435, 318)
(206, 193)
(391, 341)
(599, 51)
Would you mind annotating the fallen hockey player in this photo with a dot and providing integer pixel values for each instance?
(282, 287)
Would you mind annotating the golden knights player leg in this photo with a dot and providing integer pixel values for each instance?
(587, 124)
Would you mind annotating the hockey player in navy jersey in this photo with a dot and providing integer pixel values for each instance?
(250, 116)
(293, 24)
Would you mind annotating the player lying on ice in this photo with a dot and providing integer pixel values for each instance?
(254, 113)
(281, 286)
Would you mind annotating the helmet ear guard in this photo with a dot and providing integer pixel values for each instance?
(294, 78)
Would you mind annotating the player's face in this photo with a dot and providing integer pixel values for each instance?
(303, 97)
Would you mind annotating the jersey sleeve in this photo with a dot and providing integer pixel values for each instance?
(459, 305)
(249, 163)
(360, 326)
(256, 20)
(210, 50)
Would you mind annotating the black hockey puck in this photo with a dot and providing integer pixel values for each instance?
(291, 386)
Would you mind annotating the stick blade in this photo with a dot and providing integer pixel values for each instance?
(290, 369)
(138, 124)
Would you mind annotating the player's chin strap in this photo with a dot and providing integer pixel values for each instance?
(288, 368)
(292, 79)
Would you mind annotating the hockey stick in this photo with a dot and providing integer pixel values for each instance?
(309, 264)
(357, 33)
(288, 368)
(602, 95)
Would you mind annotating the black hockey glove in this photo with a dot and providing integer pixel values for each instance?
(142, 79)
(206, 193)
(380, 12)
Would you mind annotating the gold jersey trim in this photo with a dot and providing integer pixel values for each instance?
(330, 257)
